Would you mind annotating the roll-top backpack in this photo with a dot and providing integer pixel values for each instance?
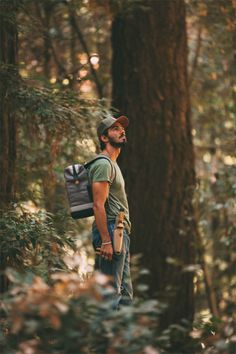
(79, 190)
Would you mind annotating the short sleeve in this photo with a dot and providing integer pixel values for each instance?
(100, 171)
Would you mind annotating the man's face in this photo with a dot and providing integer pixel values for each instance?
(116, 135)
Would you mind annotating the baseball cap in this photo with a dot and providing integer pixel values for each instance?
(109, 121)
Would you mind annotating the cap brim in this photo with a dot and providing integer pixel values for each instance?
(123, 120)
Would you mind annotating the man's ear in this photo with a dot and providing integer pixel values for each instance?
(104, 138)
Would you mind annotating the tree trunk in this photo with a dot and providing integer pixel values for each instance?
(8, 61)
(52, 142)
(150, 85)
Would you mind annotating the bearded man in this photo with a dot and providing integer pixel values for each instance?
(109, 197)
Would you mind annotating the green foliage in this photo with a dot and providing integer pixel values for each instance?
(59, 111)
(218, 234)
(74, 317)
(69, 316)
(212, 76)
(8, 11)
(217, 336)
(30, 242)
(218, 230)
(211, 35)
(55, 128)
(176, 339)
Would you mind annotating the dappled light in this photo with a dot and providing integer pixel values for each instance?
(169, 66)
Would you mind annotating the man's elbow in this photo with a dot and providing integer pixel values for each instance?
(98, 206)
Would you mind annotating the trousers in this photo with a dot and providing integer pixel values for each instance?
(118, 267)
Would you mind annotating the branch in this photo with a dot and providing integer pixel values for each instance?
(208, 281)
(48, 38)
(196, 56)
(60, 66)
(75, 26)
(209, 286)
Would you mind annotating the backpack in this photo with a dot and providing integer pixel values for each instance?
(79, 189)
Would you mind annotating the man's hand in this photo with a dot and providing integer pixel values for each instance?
(106, 252)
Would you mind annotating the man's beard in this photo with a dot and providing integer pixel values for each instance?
(116, 144)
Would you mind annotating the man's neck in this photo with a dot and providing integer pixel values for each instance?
(111, 152)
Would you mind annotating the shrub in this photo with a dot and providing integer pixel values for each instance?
(72, 317)
(29, 241)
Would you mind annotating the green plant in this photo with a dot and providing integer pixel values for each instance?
(28, 241)
(70, 316)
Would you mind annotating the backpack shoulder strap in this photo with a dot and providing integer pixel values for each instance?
(99, 157)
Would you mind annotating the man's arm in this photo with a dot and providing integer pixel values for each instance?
(100, 195)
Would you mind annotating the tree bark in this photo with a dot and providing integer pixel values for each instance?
(8, 130)
(8, 61)
(150, 85)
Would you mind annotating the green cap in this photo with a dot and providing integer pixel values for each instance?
(109, 121)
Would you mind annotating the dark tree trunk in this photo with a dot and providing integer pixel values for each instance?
(8, 71)
(52, 143)
(150, 85)
(8, 61)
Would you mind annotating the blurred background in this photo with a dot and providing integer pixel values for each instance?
(169, 65)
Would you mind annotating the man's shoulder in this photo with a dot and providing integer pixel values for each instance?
(102, 164)
(100, 170)
(101, 160)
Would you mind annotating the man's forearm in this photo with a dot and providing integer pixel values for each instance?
(101, 222)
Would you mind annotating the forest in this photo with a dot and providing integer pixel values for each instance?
(170, 67)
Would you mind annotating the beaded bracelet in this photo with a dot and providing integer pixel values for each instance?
(106, 243)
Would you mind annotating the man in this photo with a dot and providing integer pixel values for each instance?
(109, 197)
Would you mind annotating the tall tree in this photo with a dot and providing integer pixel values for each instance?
(8, 61)
(8, 73)
(150, 85)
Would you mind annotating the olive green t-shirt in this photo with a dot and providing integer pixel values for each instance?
(102, 171)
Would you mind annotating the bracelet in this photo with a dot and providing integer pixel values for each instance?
(106, 243)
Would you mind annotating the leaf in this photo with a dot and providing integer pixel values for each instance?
(55, 321)
(192, 268)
